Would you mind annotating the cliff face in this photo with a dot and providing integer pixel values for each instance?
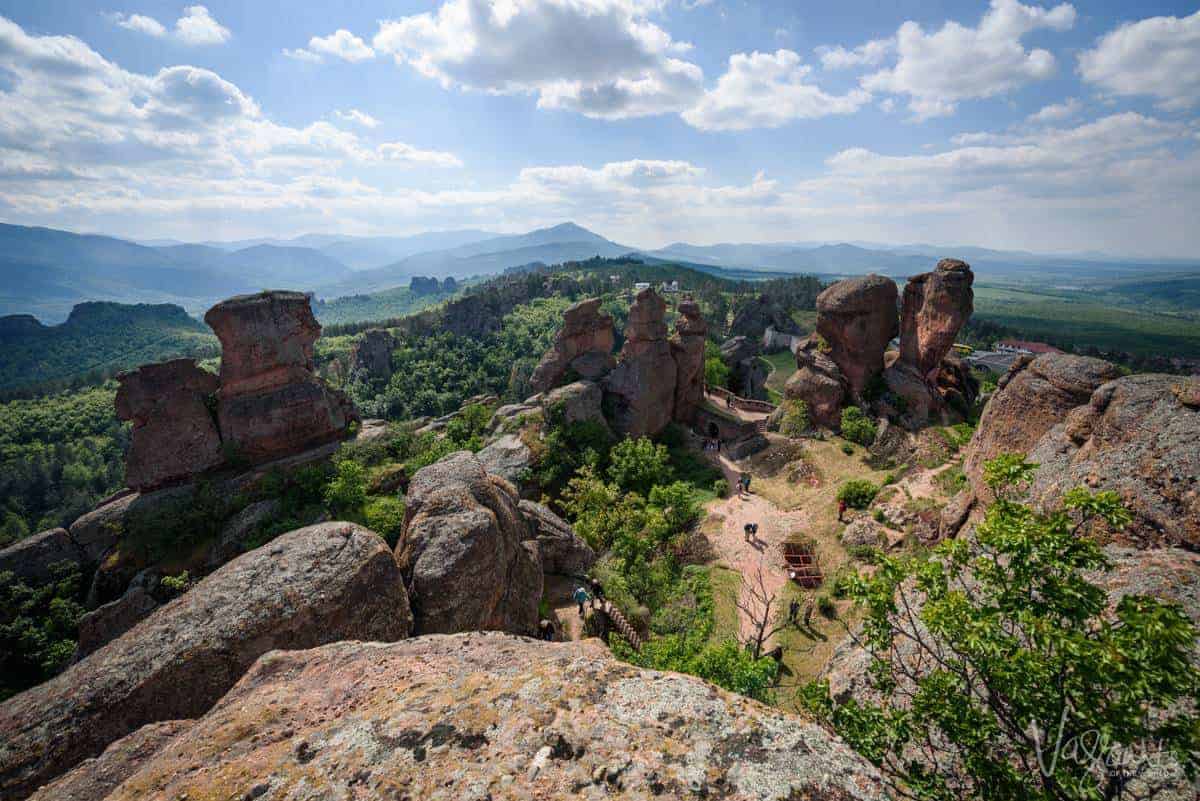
(490, 716)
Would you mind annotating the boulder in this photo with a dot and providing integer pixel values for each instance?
(371, 355)
(863, 532)
(642, 385)
(936, 306)
(760, 314)
(819, 383)
(510, 458)
(916, 400)
(478, 716)
(562, 550)
(1134, 436)
(584, 345)
(239, 529)
(334, 581)
(461, 554)
(173, 435)
(510, 415)
(577, 402)
(95, 778)
(748, 374)
(33, 559)
(104, 624)
(1034, 396)
(271, 403)
(687, 349)
(857, 318)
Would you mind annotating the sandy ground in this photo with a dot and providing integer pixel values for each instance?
(764, 552)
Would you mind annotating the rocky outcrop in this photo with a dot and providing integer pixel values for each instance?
(760, 314)
(173, 434)
(95, 778)
(324, 583)
(642, 385)
(819, 383)
(687, 349)
(478, 716)
(747, 373)
(577, 402)
(371, 355)
(563, 551)
(857, 318)
(271, 403)
(1033, 397)
(101, 626)
(583, 346)
(1137, 437)
(936, 306)
(461, 551)
(34, 558)
(510, 458)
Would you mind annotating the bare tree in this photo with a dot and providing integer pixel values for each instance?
(756, 602)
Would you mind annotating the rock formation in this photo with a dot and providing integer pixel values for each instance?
(747, 374)
(563, 551)
(642, 385)
(461, 551)
(481, 716)
(857, 318)
(271, 403)
(758, 315)
(936, 306)
(583, 345)
(818, 382)
(576, 402)
(173, 434)
(510, 458)
(371, 355)
(687, 348)
(329, 582)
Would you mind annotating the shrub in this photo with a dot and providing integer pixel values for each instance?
(858, 493)
(721, 488)
(1037, 688)
(347, 490)
(864, 553)
(636, 465)
(880, 517)
(716, 372)
(795, 418)
(385, 516)
(847, 449)
(857, 427)
(826, 606)
(176, 585)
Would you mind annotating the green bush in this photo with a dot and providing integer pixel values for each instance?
(721, 488)
(795, 418)
(716, 372)
(826, 606)
(347, 490)
(858, 493)
(857, 427)
(847, 449)
(636, 465)
(385, 516)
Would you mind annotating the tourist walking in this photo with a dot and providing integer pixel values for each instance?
(841, 510)
(748, 528)
(597, 593)
(581, 597)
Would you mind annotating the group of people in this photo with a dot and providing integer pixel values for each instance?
(581, 596)
(712, 444)
(744, 485)
(751, 530)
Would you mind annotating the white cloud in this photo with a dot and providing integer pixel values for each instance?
(1158, 57)
(937, 70)
(339, 44)
(766, 90)
(140, 23)
(870, 54)
(601, 58)
(196, 27)
(361, 117)
(1056, 112)
(398, 151)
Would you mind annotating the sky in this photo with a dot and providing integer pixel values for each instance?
(1066, 127)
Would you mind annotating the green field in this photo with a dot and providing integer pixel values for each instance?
(1088, 319)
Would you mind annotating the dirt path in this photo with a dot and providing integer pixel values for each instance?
(732, 549)
(558, 590)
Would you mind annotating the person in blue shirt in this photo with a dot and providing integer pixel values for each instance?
(581, 597)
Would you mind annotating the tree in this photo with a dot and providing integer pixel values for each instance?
(639, 464)
(757, 602)
(858, 493)
(1001, 667)
(716, 372)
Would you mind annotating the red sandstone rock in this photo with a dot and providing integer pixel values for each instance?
(642, 385)
(936, 305)
(857, 318)
(819, 383)
(174, 435)
(372, 354)
(687, 349)
(583, 344)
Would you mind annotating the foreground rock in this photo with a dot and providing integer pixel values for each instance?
(173, 434)
(583, 345)
(271, 403)
(687, 348)
(857, 318)
(642, 386)
(936, 305)
(509, 457)
(462, 553)
(329, 582)
(490, 716)
(562, 550)
(1138, 437)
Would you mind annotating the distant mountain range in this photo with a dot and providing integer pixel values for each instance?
(45, 272)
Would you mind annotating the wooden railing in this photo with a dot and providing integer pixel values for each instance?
(622, 625)
(745, 404)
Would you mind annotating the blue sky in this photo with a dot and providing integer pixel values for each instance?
(1050, 127)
